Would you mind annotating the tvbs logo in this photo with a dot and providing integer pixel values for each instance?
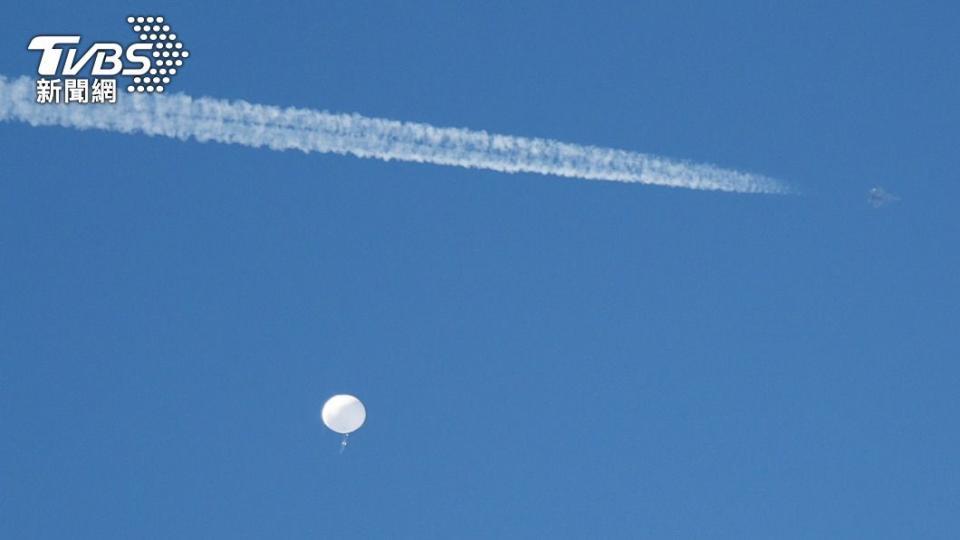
(151, 63)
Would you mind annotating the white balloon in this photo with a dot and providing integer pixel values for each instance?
(343, 413)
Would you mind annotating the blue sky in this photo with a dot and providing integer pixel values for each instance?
(539, 357)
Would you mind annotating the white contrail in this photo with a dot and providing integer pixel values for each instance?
(238, 122)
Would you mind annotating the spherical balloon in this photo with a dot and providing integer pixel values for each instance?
(343, 413)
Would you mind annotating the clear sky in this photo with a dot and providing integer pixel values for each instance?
(539, 357)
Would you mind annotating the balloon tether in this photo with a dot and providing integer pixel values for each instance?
(343, 443)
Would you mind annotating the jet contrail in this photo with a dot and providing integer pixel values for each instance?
(239, 122)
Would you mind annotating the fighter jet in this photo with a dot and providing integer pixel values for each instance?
(879, 197)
